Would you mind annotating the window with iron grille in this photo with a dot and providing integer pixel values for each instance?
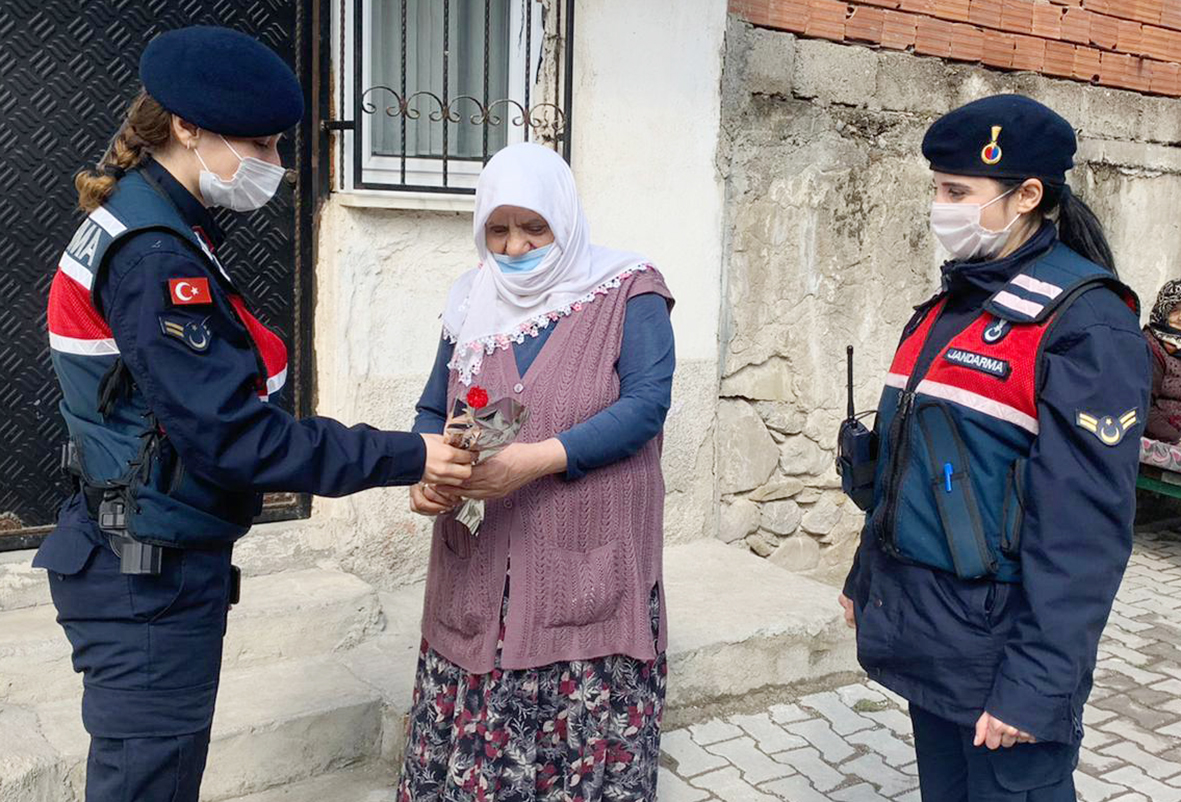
(431, 89)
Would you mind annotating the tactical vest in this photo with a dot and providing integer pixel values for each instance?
(956, 434)
(121, 448)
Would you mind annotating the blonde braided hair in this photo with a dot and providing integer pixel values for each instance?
(146, 126)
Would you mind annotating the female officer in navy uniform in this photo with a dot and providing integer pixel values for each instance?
(166, 377)
(1008, 437)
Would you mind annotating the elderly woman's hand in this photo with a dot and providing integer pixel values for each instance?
(430, 500)
(513, 468)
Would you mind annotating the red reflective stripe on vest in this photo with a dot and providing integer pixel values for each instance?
(71, 311)
(907, 355)
(269, 345)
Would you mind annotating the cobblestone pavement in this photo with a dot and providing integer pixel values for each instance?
(854, 744)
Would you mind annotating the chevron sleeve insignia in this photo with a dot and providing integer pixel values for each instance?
(1109, 430)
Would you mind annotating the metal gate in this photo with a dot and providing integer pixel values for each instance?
(67, 71)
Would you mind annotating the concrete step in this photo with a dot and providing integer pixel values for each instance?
(282, 616)
(370, 783)
(269, 549)
(275, 725)
(738, 623)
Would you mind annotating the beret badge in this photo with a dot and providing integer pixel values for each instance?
(991, 154)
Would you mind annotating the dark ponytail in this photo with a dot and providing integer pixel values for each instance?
(1078, 227)
(1080, 230)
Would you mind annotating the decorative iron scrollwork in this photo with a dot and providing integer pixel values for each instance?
(546, 119)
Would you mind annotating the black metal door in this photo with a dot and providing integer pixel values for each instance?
(67, 70)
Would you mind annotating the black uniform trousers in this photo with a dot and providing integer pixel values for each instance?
(149, 649)
(951, 769)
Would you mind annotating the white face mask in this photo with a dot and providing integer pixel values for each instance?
(253, 185)
(957, 227)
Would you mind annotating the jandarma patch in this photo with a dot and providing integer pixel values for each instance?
(1109, 430)
(194, 334)
(997, 368)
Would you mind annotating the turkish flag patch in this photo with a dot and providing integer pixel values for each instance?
(189, 291)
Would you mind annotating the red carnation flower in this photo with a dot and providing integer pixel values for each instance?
(477, 398)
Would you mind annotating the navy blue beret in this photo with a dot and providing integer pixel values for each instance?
(1004, 136)
(222, 81)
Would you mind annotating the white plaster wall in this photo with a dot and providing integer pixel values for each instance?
(646, 118)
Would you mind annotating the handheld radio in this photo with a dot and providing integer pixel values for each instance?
(857, 451)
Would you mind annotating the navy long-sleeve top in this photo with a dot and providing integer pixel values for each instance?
(645, 366)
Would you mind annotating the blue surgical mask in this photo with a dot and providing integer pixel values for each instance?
(525, 263)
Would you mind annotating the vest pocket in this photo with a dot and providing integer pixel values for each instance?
(585, 586)
(955, 499)
(1013, 512)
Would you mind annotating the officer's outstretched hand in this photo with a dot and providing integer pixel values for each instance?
(847, 604)
(446, 465)
(994, 733)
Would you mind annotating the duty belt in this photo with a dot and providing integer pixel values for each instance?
(107, 506)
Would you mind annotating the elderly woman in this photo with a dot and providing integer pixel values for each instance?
(551, 686)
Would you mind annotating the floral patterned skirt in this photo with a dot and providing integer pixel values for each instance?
(579, 731)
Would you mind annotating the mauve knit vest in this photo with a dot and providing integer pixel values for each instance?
(585, 554)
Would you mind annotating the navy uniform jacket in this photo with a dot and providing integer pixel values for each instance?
(1025, 652)
(210, 401)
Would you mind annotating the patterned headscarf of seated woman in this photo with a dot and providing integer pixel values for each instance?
(489, 308)
(1168, 299)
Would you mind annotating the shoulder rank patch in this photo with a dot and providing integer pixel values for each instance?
(189, 291)
(194, 334)
(1110, 431)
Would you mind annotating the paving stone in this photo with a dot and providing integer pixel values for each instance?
(671, 788)
(852, 694)
(895, 751)
(872, 769)
(727, 785)
(889, 694)
(1126, 638)
(862, 792)
(711, 732)
(808, 762)
(895, 720)
(1130, 731)
(1128, 624)
(1169, 686)
(1131, 656)
(786, 714)
(1137, 780)
(691, 759)
(820, 735)
(1097, 763)
(911, 796)
(1153, 765)
(770, 736)
(795, 789)
(844, 721)
(755, 766)
(1091, 790)
(1136, 675)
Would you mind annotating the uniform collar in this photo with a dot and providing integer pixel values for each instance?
(988, 277)
(191, 209)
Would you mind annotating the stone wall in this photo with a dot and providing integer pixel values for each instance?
(828, 245)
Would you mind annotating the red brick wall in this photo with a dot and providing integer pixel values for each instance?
(1127, 44)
